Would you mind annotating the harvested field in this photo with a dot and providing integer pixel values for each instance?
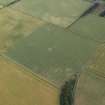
(97, 62)
(19, 87)
(90, 89)
(91, 85)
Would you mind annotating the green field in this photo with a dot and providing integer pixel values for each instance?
(53, 53)
(90, 27)
(59, 12)
(6, 2)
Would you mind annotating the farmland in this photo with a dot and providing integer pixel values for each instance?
(53, 53)
(97, 62)
(15, 25)
(44, 45)
(89, 28)
(6, 2)
(90, 89)
(19, 87)
(59, 12)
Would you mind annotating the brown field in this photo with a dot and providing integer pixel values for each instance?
(18, 87)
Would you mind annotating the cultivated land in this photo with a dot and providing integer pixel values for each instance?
(36, 57)
(90, 89)
(90, 27)
(53, 53)
(97, 62)
(19, 87)
(59, 12)
(14, 25)
(6, 2)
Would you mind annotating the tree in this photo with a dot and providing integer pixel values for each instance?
(67, 91)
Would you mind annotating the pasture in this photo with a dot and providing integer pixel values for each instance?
(90, 27)
(53, 53)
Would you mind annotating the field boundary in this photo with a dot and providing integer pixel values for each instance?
(29, 71)
(9, 4)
